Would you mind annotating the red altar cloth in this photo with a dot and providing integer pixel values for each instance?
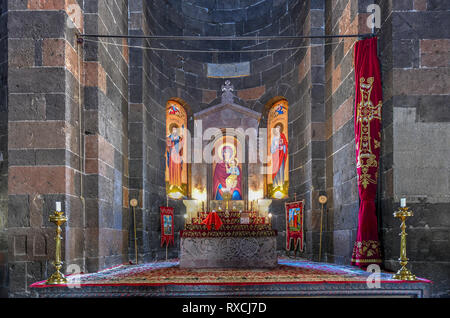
(212, 218)
(368, 103)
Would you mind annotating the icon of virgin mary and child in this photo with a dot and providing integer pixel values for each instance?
(227, 175)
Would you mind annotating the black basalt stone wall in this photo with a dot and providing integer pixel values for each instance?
(414, 50)
(340, 219)
(183, 75)
(48, 152)
(123, 95)
(3, 147)
(106, 135)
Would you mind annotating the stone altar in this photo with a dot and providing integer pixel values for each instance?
(236, 244)
(228, 252)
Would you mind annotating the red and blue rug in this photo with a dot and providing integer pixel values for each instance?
(292, 276)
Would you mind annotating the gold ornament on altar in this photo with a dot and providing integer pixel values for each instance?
(403, 273)
(59, 219)
(226, 198)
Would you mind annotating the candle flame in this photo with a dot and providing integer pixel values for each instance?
(278, 195)
(199, 194)
(254, 195)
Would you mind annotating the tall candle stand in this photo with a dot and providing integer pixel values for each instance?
(134, 204)
(58, 278)
(403, 273)
(322, 200)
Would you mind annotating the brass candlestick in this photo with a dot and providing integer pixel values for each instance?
(58, 278)
(403, 273)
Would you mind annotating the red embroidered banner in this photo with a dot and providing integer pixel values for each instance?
(166, 225)
(368, 103)
(294, 224)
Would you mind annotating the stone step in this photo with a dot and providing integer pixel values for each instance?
(232, 220)
(224, 233)
(232, 227)
(235, 214)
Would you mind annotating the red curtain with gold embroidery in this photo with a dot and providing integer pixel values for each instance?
(368, 103)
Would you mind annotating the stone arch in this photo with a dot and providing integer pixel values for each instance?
(183, 103)
(269, 104)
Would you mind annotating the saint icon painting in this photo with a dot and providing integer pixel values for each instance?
(167, 224)
(278, 155)
(176, 167)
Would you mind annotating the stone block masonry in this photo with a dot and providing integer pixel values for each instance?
(160, 76)
(46, 142)
(340, 221)
(96, 157)
(414, 50)
(43, 136)
(106, 136)
(3, 149)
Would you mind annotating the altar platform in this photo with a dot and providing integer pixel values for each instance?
(240, 240)
(290, 278)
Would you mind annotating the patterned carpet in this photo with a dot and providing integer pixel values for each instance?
(289, 271)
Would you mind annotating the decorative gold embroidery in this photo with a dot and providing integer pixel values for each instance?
(366, 112)
(366, 249)
(369, 261)
(377, 143)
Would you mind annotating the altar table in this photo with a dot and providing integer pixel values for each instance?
(233, 245)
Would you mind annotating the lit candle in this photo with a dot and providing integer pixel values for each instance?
(58, 206)
(403, 202)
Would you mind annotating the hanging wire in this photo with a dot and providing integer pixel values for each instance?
(210, 51)
(228, 38)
